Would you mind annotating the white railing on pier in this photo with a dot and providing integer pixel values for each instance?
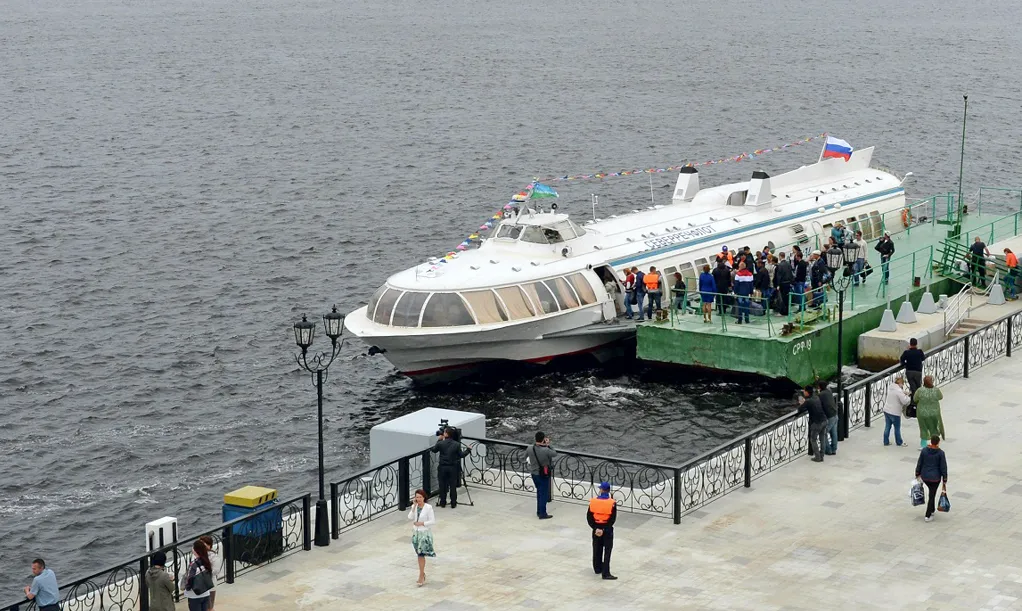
(957, 309)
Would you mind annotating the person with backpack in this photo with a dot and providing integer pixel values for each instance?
(198, 580)
(931, 468)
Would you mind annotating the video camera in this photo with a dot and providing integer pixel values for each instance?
(444, 426)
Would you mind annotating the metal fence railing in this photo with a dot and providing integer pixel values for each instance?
(243, 544)
(949, 361)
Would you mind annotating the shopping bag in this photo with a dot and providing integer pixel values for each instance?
(916, 493)
(910, 411)
(943, 504)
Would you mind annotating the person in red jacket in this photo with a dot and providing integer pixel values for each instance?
(601, 516)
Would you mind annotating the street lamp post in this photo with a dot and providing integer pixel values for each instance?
(317, 365)
(840, 262)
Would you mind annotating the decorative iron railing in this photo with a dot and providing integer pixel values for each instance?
(379, 490)
(242, 544)
(949, 361)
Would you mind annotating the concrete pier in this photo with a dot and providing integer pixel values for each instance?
(836, 535)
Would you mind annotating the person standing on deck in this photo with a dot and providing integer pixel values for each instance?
(655, 290)
(707, 289)
(979, 252)
(818, 275)
(784, 276)
(722, 278)
(678, 292)
(762, 285)
(913, 359)
(629, 292)
(801, 280)
(830, 409)
(1012, 279)
(601, 516)
(640, 289)
(860, 259)
(885, 246)
(743, 289)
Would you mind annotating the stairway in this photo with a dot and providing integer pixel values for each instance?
(965, 327)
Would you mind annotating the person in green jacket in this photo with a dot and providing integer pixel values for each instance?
(931, 423)
(161, 585)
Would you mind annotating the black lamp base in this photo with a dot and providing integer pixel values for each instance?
(322, 524)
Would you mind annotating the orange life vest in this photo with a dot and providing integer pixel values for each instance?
(652, 280)
(601, 509)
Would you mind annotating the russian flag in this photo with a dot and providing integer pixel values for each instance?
(836, 147)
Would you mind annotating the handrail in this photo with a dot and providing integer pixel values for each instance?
(138, 560)
(954, 308)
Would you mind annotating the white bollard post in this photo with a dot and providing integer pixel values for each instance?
(887, 323)
(996, 295)
(905, 313)
(926, 304)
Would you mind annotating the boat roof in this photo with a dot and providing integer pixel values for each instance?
(708, 216)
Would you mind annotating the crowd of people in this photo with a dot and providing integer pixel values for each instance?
(744, 283)
(920, 401)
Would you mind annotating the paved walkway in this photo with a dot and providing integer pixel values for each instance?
(834, 536)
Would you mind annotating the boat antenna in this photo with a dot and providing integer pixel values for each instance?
(957, 231)
(593, 198)
(651, 200)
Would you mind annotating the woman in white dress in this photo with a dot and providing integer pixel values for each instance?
(423, 519)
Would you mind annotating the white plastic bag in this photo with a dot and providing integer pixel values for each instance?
(915, 493)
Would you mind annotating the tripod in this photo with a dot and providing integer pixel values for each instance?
(464, 482)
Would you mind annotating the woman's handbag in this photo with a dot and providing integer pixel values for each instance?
(202, 581)
(943, 504)
(910, 410)
(916, 493)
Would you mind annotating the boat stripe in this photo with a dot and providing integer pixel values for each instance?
(754, 226)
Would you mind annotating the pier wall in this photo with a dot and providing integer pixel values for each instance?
(800, 358)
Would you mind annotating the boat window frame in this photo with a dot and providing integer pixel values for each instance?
(422, 307)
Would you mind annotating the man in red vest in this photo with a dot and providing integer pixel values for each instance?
(601, 516)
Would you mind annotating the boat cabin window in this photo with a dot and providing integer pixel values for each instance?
(374, 301)
(446, 310)
(516, 303)
(552, 234)
(485, 306)
(509, 231)
(406, 313)
(878, 223)
(687, 270)
(541, 296)
(565, 295)
(385, 306)
(582, 288)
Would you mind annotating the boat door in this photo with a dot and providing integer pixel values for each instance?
(615, 305)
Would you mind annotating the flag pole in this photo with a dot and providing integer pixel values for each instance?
(961, 169)
(824, 148)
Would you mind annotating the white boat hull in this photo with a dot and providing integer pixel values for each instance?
(428, 358)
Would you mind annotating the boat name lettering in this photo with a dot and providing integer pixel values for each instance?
(803, 346)
(656, 243)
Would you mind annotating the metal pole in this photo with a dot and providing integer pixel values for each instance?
(961, 170)
(842, 420)
(677, 496)
(322, 515)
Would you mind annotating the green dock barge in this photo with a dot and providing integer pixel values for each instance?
(802, 346)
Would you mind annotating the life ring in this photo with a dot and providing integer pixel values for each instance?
(906, 217)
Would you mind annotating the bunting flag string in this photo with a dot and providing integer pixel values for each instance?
(537, 189)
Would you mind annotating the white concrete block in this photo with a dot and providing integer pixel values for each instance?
(160, 532)
(887, 323)
(905, 313)
(926, 304)
(996, 295)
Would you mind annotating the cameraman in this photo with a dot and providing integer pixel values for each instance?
(449, 468)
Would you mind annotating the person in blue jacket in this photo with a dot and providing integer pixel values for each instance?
(707, 289)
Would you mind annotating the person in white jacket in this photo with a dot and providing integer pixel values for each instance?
(894, 406)
(423, 519)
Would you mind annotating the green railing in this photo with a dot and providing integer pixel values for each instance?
(807, 306)
(917, 264)
(996, 230)
(1001, 196)
(725, 306)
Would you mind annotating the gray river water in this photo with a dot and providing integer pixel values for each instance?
(179, 181)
